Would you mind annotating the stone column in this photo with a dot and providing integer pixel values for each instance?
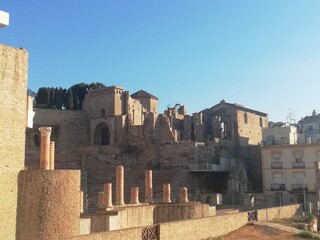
(108, 195)
(52, 147)
(148, 186)
(184, 195)
(119, 185)
(166, 193)
(81, 201)
(45, 133)
(134, 195)
(100, 200)
(49, 216)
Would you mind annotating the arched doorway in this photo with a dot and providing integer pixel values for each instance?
(102, 134)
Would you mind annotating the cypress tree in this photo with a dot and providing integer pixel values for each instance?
(59, 98)
(69, 104)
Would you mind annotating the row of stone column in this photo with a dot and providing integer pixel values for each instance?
(105, 197)
(47, 148)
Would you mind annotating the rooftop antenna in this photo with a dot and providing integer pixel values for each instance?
(4, 19)
(291, 117)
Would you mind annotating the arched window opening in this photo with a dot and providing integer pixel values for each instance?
(102, 134)
(245, 118)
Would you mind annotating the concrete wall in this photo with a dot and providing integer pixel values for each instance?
(13, 95)
(48, 204)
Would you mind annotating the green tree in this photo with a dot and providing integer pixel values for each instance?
(52, 97)
(69, 102)
(42, 96)
(76, 103)
(80, 90)
(59, 98)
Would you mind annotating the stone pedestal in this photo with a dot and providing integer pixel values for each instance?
(134, 195)
(45, 133)
(101, 202)
(148, 186)
(166, 193)
(184, 195)
(108, 195)
(120, 185)
(52, 147)
(48, 204)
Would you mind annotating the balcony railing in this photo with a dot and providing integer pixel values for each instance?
(277, 186)
(299, 187)
(276, 165)
(299, 165)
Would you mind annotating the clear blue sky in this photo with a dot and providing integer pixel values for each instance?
(262, 54)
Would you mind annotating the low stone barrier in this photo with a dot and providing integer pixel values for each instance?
(288, 211)
(199, 228)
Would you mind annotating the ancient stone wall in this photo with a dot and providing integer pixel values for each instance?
(254, 168)
(250, 127)
(70, 129)
(13, 120)
(178, 155)
(104, 102)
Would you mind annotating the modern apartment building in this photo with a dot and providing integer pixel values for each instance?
(288, 170)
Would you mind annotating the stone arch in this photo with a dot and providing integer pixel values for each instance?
(102, 134)
(240, 179)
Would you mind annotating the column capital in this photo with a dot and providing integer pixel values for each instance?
(45, 131)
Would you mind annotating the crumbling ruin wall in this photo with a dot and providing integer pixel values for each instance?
(254, 169)
(178, 155)
(164, 131)
(250, 127)
(13, 112)
(70, 131)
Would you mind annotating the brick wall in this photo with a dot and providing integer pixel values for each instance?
(13, 96)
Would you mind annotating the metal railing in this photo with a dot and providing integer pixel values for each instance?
(277, 186)
(276, 165)
(299, 187)
(298, 165)
(207, 167)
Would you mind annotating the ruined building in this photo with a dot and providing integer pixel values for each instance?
(213, 151)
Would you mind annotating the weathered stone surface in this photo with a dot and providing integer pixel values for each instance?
(13, 78)
(48, 204)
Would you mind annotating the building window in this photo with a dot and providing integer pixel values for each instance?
(103, 112)
(310, 128)
(277, 178)
(260, 122)
(245, 118)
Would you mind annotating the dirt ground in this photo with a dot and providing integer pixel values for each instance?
(254, 232)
